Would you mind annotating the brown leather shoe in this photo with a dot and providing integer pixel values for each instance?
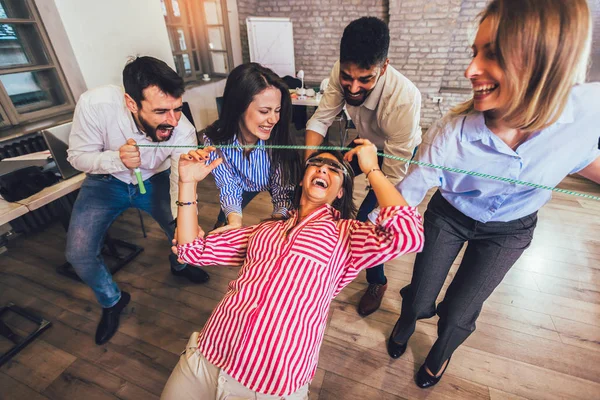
(371, 300)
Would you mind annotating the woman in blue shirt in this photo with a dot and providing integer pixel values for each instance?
(529, 119)
(256, 111)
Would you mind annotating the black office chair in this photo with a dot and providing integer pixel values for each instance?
(298, 112)
(187, 112)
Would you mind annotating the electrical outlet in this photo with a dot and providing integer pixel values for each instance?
(437, 99)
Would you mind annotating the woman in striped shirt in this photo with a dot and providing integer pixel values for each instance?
(256, 111)
(262, 340)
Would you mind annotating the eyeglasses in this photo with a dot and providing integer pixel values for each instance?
(330, 164)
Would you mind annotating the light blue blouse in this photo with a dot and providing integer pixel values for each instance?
(546, 157)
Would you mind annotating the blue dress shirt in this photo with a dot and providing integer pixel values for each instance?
(546, 157)
(252, 173)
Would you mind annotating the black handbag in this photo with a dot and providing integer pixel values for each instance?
(24, 182)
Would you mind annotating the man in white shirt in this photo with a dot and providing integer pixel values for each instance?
(107, 125)
(384, 106)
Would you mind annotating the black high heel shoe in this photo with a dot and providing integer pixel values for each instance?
(424, 380)
(395, 350)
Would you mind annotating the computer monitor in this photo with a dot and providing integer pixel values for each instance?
(57, 140)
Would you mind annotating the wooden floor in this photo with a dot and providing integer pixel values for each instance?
(538, 336)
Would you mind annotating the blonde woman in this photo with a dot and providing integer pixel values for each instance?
(530, 118)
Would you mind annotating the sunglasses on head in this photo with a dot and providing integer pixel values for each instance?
(329, 163)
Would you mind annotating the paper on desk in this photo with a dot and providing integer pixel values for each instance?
(40, 155)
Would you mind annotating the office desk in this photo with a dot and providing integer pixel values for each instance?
(10, 211)
(54, 192)
(307, 101)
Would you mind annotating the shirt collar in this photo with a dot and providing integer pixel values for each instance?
(325, 212)
(134, 127)
(567, 115)
(236, 142)
(474, 127)
(373, 99)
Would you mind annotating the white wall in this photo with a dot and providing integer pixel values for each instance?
(93, 40)
(103, 34)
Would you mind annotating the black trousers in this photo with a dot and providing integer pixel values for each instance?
(492, 249)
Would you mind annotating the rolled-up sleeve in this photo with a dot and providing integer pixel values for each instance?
(86, 151)
(403, 131)
(330, 105)
(228, 248)
(281, 196)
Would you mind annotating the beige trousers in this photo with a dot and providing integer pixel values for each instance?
(194, 378)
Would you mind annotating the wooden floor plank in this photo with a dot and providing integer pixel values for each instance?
(11, 389)
(83, 380)
(335, 387)
(538, 337)
(38, 365)
(577, 334)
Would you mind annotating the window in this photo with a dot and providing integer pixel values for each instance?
(32, 86)
(594, 73)
(199, 37)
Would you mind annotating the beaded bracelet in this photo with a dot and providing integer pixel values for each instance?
(186, 203)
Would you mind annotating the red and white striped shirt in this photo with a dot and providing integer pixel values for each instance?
(267, 331)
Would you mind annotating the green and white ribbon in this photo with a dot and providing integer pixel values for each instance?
(406, 160)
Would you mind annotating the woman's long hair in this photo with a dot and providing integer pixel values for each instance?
(345, 204)
(243, 83)
(543, 47)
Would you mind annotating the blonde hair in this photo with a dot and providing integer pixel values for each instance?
(543, 47)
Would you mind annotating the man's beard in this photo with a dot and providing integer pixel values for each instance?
(150, 131)
(356, 102)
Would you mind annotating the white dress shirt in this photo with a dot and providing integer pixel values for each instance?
(389, 117)
(102, 124)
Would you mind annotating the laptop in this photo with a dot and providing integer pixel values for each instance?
(57, 140)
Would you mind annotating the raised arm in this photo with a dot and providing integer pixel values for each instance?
(403, 131)
(230, 190)
(186, 136)
(193, 168)
(329, 107)
(386, 193)
(87, 142)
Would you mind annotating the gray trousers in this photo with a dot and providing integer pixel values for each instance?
(492, 249)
